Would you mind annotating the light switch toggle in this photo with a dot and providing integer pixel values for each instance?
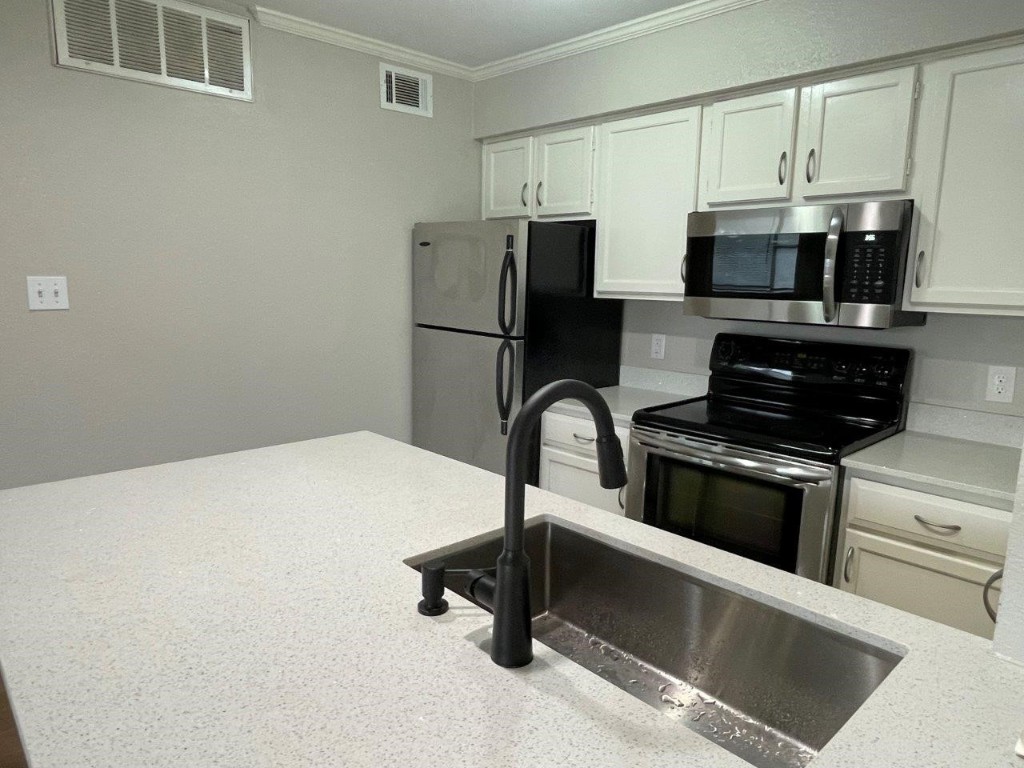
(47, 293)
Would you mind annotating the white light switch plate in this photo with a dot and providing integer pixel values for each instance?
(47, 293)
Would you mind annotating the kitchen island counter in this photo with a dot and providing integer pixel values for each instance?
(253, 609)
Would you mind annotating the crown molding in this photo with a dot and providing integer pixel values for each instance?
(645, 25)
(285, 22)
(628, 30)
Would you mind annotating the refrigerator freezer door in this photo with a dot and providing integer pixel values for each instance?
(462, 270)
(461, 382)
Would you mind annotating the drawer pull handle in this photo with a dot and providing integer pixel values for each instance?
(583, 438)
(846, 565)
(989, 608)
(622, 504)
(942, 526)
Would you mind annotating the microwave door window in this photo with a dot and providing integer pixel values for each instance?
(751, 518)
(785, 267)
(755, 264)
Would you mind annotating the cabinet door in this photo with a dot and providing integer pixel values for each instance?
(937, 586)
(968, 184)
(747, 148)
(576, 477)
(565, 172)
(646, 187)
(855, 135)
(507, 182)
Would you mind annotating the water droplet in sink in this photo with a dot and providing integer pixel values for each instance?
(699, 716)
(594, 642)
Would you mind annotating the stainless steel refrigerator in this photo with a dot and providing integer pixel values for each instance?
(501, 308)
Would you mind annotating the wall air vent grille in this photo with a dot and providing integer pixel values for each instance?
(405, 91)
(166, 42)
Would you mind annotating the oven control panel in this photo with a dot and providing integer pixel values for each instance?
(795, 361)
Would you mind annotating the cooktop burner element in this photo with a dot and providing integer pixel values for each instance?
(809, 399)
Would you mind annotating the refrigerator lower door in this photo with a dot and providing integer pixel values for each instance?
(466, 276)
(461, 383)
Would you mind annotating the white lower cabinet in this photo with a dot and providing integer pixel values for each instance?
(926, 582)
(925, 554)
(568, 462)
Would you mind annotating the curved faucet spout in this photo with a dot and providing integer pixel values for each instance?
(512, 641)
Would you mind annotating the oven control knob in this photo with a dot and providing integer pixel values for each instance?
(726, 351)
(840, 366)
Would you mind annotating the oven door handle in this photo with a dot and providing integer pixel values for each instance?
(787, 474)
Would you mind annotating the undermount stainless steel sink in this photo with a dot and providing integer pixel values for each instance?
(769, 686)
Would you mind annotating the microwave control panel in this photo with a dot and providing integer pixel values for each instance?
(870, 268)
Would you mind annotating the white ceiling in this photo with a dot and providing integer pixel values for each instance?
(470, 32)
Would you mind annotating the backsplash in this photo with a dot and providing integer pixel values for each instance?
(951, 358)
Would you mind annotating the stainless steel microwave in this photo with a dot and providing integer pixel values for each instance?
(821, 264)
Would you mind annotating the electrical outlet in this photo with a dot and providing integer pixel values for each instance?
(1000, 384)
(47, 293)
(658, 346)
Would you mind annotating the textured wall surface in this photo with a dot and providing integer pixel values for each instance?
(759, 43)
(238, 273)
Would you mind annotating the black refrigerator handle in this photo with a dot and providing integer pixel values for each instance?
(508, 269)
(504, 382)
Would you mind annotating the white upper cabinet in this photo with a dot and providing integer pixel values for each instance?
(507, 182)
(969, 184)
(646, 187)
(547, 175)
(747, 149)
(564, 172)
(854, 136)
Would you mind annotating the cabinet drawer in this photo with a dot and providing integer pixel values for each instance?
(923, 516)
(576, 477)
(577, 434)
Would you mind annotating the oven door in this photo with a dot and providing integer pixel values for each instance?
(774, 509)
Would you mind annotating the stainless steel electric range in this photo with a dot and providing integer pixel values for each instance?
(753, 466)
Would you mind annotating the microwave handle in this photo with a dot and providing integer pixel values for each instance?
(828, 278)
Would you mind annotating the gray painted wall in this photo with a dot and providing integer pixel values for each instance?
(238, 273)
(760, 43)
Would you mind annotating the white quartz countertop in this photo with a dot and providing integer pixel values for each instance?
(622, 402)
(964, 469)
(253, 609)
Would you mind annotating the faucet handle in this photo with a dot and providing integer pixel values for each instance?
(433, 602)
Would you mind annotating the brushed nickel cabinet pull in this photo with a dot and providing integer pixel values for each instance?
(942, 526)
(782, 169)
(582, 438)
(539, 201)
(847, 564)
(522, 195)
(811, 169)
(917, 270)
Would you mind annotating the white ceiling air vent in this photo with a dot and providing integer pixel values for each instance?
(405, 91)
(158, 41)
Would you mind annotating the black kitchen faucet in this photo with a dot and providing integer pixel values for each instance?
(507, 593)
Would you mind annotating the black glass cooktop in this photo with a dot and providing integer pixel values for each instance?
(805, 434)
(813, 400)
